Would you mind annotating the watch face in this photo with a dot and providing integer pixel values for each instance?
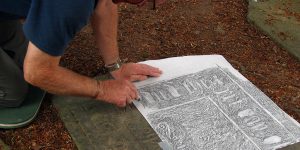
(114, 66)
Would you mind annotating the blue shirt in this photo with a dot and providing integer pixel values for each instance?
(50, 24)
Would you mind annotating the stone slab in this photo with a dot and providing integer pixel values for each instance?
(3, 146)
(94, 125)
(292, 147)
(280, 20)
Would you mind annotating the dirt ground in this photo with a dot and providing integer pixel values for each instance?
(179, 27)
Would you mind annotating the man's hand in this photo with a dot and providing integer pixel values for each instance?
(135, 72)
(121, 91)
(118, 92)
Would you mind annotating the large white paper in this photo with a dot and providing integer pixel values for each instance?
(202, 102)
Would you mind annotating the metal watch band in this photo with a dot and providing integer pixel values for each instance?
(115, 66)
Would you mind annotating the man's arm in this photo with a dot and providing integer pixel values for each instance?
(43, 70)
(105, 25)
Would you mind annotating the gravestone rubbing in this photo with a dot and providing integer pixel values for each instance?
(212, 107)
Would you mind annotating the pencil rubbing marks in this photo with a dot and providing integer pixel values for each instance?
(183, 89)
(212, 109)
(201, 127)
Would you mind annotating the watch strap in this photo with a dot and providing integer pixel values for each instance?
(114, 66)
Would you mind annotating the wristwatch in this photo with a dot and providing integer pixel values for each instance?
(114, 66)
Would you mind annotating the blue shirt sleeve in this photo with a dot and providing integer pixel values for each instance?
(51, 24)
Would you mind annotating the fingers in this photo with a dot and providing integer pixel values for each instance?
(146, 70)
(129, 100)
(127, 94)
(136, 72)
(122, 102)
(149, 70)
(133, 91)
(138, 77)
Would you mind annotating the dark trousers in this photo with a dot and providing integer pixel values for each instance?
(13, 47)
